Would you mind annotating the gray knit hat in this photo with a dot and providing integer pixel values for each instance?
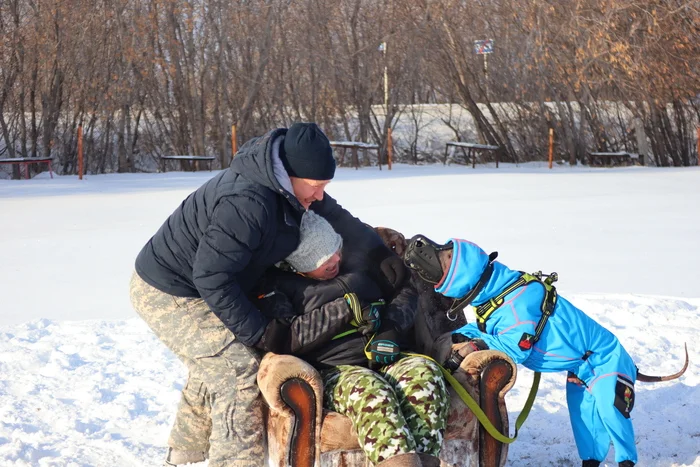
(317, 243)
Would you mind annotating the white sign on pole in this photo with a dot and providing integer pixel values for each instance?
(483, 47)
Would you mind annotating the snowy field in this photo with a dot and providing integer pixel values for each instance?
(83, 382)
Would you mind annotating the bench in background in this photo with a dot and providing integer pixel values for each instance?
(183, 159)
(353, 146)
(26, 161)
(471, 151)
(611, 159)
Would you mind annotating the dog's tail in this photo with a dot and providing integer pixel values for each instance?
(655, 379)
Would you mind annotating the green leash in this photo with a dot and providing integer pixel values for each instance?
(476, 409)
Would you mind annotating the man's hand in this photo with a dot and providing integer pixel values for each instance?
(393, 272)
(276, 337)
(368, 318)
(383, 349)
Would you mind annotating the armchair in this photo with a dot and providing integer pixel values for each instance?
(302, 434)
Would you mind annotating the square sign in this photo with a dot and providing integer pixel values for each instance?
(483, 47)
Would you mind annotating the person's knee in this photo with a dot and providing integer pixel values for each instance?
(366, 378)
(364, 386)
(414, 369)
(239, 357)
(234, 369)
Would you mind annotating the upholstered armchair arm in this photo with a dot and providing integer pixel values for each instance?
(476, 364)
(490, 374)
(293, 391)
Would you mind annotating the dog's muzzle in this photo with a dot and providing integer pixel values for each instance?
(422, 256)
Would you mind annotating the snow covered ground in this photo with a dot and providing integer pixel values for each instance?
(83, 382)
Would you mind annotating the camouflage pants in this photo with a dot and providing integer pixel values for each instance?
(220, 409)
(402, 410)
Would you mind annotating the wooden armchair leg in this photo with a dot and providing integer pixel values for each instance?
(493, 379)
(300, 398)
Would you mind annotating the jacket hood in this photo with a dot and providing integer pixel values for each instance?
(258, 160)
(468, 263)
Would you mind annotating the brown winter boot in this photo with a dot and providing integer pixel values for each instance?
(431, 461)
(402, 460)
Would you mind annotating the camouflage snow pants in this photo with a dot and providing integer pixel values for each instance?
(220, 409)
(399, 410)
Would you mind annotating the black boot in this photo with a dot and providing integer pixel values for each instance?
(626, 464)
(591, 463)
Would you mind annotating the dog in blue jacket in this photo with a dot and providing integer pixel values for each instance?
(600, 385)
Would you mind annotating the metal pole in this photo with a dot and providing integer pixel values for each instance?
(386, 100)
(386, 81)
(80, 152)
(698, 158)
(486, 74)
(389, 147)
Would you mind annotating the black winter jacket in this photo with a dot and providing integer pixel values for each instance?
(307, 314)
(217, 244)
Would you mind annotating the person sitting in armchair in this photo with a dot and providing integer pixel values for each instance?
(327, 309)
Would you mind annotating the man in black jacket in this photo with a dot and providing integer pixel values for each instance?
(193, 276)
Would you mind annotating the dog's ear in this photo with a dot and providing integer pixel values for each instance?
(394, 240)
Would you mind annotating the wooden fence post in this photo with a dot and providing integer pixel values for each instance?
(389, 147)
(551, 146)
(698, 158)
(80, 152)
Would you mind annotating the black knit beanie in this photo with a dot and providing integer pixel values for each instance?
(307, 153)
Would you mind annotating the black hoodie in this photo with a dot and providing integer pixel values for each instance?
(219, 241)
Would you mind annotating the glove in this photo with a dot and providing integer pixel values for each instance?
(392, 272)
(383, 349)
(368, 318)
(276, 337)
(461, 347)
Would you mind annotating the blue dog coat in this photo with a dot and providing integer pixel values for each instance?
(571, 341)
